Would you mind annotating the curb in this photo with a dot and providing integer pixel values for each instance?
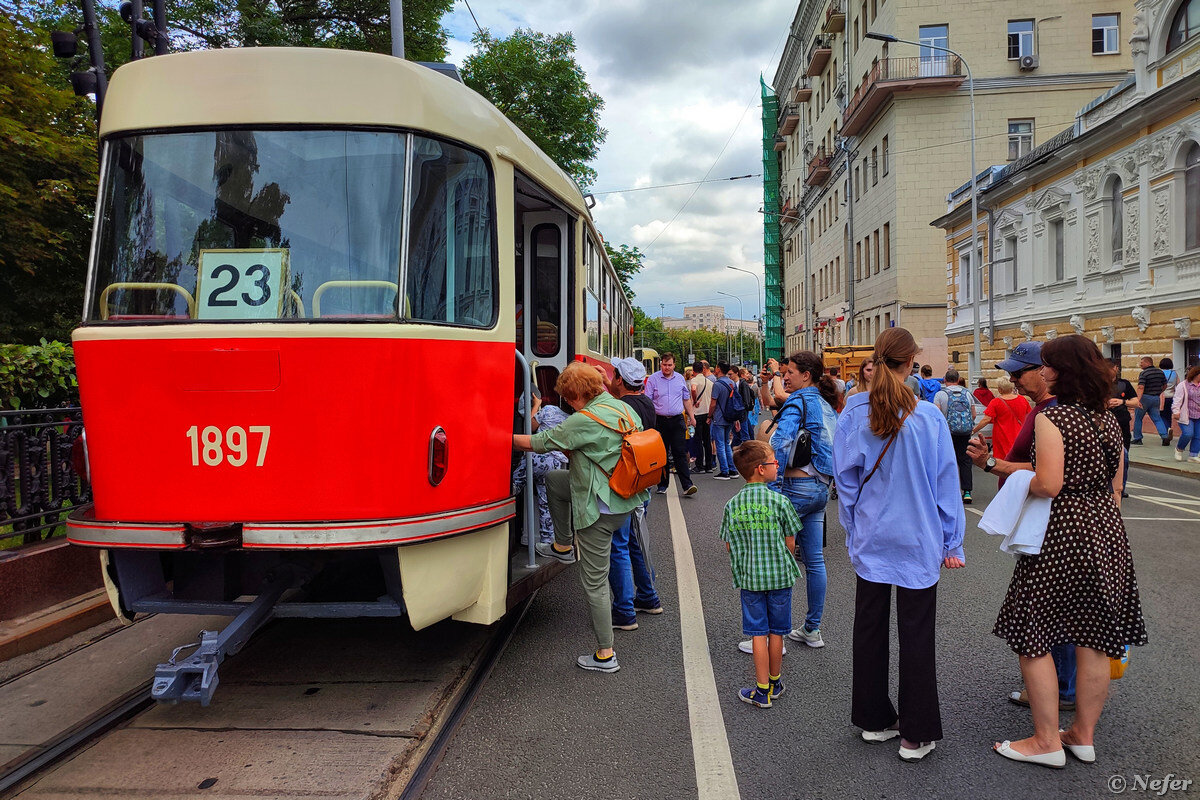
(27, 634)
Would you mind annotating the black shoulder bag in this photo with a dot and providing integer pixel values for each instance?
(800, 453)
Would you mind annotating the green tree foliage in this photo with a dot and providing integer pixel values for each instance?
(705, 344)
(627, 261)
(343, 24)
(534, 79)
(37, 376)
(47, 189)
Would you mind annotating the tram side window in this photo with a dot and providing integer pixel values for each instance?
(249, 225)
(546, 242)
(450, 237)
(593, 321)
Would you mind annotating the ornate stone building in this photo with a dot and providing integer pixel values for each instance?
(1097, 231)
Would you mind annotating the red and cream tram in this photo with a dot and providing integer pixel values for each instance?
(298, 344)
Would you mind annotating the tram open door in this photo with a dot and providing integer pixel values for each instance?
(544, 269)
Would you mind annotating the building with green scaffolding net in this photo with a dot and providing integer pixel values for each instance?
(772, 257)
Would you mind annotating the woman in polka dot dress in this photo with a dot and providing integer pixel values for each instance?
(1081, 588)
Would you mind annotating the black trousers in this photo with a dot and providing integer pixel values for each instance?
(703, 443)
(672, 430)
(916, 614)
(961, 440)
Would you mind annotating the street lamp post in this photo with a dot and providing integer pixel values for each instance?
(972, 259)
(760, 305)
(735, 297)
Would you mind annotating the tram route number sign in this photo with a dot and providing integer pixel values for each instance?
(241, 284)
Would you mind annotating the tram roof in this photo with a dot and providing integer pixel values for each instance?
(318, 86)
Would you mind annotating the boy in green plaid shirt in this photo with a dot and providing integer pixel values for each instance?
(759, 528)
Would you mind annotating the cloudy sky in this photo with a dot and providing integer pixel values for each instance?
(679, 81)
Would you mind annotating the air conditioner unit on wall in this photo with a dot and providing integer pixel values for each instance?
(1029, 63)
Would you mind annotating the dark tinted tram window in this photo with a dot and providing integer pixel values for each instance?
(451, 263)
(546, 243)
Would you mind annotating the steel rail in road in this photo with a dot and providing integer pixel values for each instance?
(466, 697)
(39, 758)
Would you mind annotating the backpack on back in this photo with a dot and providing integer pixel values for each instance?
(642, 460)
(958, 411)
(929, 388)
(733, 409)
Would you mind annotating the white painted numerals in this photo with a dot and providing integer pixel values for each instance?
(211, 443)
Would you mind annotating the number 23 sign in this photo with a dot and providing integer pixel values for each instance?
(241, 284)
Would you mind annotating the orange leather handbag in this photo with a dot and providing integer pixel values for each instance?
(642, 460)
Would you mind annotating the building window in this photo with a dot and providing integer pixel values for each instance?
(1118, 222)
(862, 15)
(864, 170)
(1191, 197)
(887, 245)
(936, 62)
(875, 248)
(1020, 138)
(858, 271)
(887, 319)
(1011, 247)
(1020, 38)
(885, 155)
(874, 165)
(964, 277)
(874, 9)
(1056, 231)
(1106, 34)
(1185, 26)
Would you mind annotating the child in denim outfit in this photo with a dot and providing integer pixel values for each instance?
(759, 528)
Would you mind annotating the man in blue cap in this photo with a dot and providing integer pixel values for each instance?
(1023, 366)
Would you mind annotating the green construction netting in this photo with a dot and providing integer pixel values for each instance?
(772, 257)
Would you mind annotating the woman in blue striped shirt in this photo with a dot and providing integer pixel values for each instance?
(899, 501)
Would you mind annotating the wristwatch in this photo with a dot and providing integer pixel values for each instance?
(990, 464)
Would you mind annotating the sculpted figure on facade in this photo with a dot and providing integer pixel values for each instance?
(1133, 231)
(1108, 333)
(1027, 329)
(1183, 326)
(1093, 243)
(1139, 49)
(1076, 323)
(1161, 239)
(1141, 315)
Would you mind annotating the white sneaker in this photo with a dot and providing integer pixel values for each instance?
(1178, 454)
(747, 647)
(1194, 460)
(917, 753)
(812, 639)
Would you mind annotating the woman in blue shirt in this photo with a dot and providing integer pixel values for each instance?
(899, 501)
(808, 486)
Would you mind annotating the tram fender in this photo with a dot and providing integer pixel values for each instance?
(112, 589)
(465, 577)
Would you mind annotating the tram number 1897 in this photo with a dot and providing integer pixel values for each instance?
(211, 443)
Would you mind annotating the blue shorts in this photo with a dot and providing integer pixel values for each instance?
(767, 612)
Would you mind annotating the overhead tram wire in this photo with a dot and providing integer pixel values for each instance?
(716, 160)
(477, 27)
(683, 183)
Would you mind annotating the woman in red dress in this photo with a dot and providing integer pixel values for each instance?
(1005, 414)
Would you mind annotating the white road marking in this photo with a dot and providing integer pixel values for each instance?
(715, 776)
(974, 511)
(1160, 489)
(1165, 504)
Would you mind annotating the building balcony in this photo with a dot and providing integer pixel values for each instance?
(819, 55)
(789, 118)
(780, 144)
(835, 17)
(802, 92)
(892, 75)
(819, 168)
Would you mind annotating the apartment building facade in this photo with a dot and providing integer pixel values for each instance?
(1098, 231)
(712, 317)
(873, 135)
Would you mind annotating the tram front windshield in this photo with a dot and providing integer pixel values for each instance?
(241, 225)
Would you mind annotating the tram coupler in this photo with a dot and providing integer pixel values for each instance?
(195, 677)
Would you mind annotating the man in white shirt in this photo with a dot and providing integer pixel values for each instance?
(701, 388)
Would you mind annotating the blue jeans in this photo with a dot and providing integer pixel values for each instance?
(720, 437)
(808, 497)
(1190, 434)
(1064, 664)
(1149, 406)
(630, 576)
(767, 612)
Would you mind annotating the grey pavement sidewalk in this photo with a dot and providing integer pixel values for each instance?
(1152, 455)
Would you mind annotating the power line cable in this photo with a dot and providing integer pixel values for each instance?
(684, 183)
(468, 5)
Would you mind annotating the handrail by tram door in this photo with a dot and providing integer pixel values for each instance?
(531, 523)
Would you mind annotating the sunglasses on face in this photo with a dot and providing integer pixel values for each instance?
(769, 463)
(1016, 375)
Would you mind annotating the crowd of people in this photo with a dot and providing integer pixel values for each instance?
(897, 449)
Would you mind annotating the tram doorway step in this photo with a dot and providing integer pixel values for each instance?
(195, 678)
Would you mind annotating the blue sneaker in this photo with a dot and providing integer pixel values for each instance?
(777, 689)
(756, 697)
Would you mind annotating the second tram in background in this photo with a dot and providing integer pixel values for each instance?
(298, 355)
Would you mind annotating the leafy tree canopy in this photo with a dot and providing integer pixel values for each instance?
(47, 189)
(535, 80)
(627, 261)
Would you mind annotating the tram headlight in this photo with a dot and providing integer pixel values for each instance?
(439, 455)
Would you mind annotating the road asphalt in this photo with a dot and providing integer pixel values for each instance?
(542, 728)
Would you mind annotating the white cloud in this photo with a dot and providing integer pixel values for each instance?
(677, 81)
